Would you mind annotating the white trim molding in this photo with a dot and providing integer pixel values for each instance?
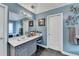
(5, 30)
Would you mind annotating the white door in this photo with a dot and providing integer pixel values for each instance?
(55, 31)
(3, 30)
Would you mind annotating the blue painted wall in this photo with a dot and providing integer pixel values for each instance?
(68, 47)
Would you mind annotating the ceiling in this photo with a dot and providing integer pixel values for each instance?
(15, 17)
(42, 7)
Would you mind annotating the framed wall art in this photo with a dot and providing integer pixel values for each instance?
(41, 22)
(30, 23)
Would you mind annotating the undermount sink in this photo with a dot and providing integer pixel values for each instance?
(21, 38)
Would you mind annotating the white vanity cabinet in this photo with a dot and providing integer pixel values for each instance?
(26, 49)
(23, 46)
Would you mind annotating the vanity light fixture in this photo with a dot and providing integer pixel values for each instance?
(22, 12)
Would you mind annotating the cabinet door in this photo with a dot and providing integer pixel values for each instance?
(55, 33)
(26, 49)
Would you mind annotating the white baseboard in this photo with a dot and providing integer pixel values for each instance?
(69, 54)
(42, 45)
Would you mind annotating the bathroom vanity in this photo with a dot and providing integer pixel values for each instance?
(23, 45)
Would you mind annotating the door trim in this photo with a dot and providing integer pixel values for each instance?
(61, 30)
(5, 29)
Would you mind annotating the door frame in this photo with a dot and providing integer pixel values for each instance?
(5, 29)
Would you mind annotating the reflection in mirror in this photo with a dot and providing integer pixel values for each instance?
(72, 23)
(71, 30)
(18, 25)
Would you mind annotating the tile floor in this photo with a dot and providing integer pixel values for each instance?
(47, 52)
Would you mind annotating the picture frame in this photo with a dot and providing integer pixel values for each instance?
(31, 23)
(41, 22)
